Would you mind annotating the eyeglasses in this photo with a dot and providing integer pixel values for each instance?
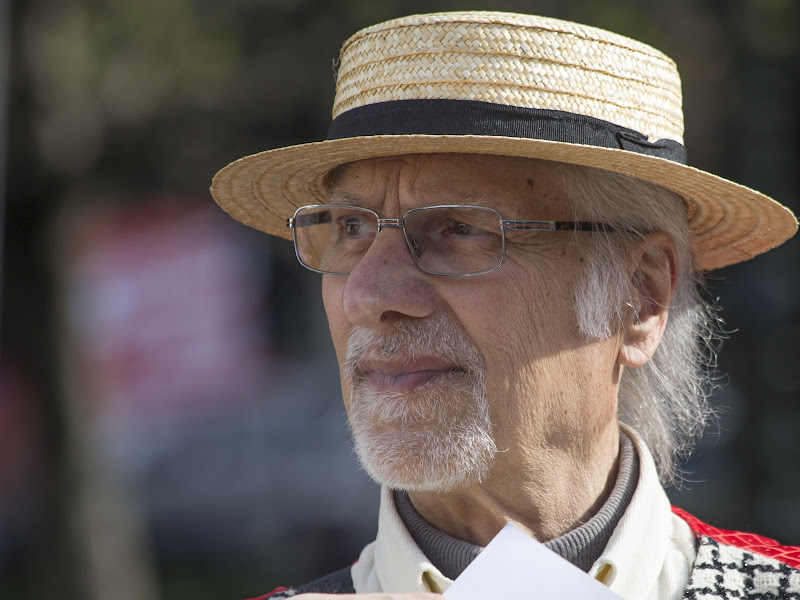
(450, 240)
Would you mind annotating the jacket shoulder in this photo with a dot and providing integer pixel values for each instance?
(750, 542)
(733, 564)
(338, 582)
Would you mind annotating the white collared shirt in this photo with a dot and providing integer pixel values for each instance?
(648, 557)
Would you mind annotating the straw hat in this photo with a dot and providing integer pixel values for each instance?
(508, 85)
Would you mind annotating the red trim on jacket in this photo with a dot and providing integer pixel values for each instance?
(789, 555)
(275, 591)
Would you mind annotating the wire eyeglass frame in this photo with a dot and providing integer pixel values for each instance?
(504, 225)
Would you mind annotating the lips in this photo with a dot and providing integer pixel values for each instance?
(402, 375)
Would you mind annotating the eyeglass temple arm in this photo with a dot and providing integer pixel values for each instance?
(555, 226)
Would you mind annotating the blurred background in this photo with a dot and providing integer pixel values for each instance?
(170, 415)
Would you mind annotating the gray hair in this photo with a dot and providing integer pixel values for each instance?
(666, 399)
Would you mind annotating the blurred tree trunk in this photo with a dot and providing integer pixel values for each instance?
(104, 506)
(54, 569)
(5, 80)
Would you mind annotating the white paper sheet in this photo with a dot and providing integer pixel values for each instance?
(514, 566)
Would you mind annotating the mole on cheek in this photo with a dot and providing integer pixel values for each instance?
(530, 183)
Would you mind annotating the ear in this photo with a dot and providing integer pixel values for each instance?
(654, 273)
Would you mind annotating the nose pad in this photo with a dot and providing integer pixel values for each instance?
(416, 249)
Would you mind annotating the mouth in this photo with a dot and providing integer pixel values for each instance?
(405, 382)
(406, 375)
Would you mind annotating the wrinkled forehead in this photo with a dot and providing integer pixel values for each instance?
(514, 186)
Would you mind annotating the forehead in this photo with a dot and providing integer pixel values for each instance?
(509, 184)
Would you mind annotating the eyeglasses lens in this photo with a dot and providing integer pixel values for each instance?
(458, 240)
(332, 239)
(448, 240)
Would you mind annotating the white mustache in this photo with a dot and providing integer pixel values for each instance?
(437, 336)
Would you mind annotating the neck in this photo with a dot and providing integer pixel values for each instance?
(546, 493)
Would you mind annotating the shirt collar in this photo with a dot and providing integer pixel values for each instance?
(400, 564)
(637, 550)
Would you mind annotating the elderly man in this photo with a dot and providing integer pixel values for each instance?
(510, 244)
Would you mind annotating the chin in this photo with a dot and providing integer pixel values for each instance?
(414, 458)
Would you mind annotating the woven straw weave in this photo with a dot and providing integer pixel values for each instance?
(530, 62)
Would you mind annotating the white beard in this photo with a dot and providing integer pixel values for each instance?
(435, 438)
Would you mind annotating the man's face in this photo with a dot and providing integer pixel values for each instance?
(451, 380)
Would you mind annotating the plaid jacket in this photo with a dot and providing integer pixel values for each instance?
(732, 564)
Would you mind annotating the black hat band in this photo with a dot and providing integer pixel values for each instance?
(472, 117)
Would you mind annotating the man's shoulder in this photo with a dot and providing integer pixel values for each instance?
(748, 542)
(338, 582)
(735, 564)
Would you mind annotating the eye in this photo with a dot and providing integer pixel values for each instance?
(453, 227)
(462, 228)
(353, 226)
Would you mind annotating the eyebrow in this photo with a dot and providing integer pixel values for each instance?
(337, 196)
(476, 199)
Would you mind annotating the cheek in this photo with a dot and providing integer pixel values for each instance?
(525, 328)
(525, 316)
(332, 288)
(490, 312)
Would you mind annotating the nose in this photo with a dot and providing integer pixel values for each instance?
(387, 284)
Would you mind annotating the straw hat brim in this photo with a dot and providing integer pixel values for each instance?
(728, 222)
